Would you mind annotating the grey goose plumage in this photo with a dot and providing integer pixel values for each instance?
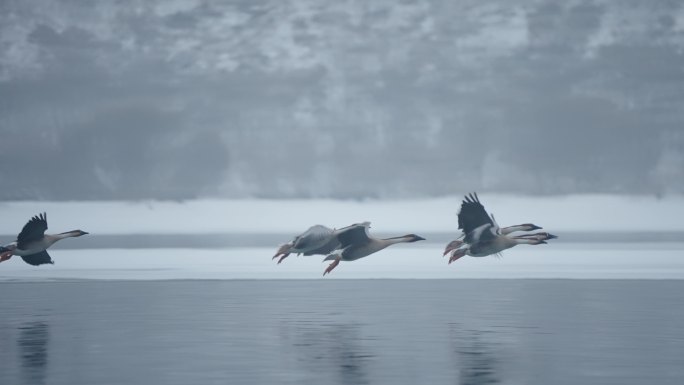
(481, 235)
(32, 242)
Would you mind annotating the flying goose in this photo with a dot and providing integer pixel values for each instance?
(32, 242)
(355, 243)
(504, 231)
(318, 239)
(482, 236)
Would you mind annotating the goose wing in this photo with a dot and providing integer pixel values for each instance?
(38, 259)
(484, 233)
(327, 248)
(355, 234)
(472, 214)
(33, 230)
(313, 238)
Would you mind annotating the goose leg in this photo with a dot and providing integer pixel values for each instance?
(456, 254)
(283, 252)
(452, 246)
(5, 256)
(332, 266)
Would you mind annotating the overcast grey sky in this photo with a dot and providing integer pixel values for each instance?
(347, 99)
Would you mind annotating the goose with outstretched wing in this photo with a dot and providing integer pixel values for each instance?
(32, 242)
(482, 236)
(356, 243)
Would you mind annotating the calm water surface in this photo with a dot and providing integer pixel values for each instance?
(342, 332)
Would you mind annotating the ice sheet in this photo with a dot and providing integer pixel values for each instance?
(572, 261)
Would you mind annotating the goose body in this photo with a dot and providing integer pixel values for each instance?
(317, 240)
(32, 242)
(482, 236)
(356, 243)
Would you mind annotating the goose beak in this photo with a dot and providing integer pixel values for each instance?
(419, 238)
(551, 236)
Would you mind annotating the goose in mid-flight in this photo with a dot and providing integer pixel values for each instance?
(482, 236)
(32, 242)
(504, 231)
(356, 243)
(317, 240)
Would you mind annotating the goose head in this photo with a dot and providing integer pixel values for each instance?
(529, 227)
(78, 233)
(547, 236)
(412, 238)
(541, 236)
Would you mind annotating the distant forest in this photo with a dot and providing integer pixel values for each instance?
(299, 99)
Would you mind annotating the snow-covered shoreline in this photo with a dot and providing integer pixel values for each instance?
(557, 261)
(601, 213)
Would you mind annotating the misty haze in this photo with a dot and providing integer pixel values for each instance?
(179, 150)
(301, 99)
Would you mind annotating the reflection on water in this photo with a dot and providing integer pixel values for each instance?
(335, 349)
(33, 344)
(475, 355)
(398, 332)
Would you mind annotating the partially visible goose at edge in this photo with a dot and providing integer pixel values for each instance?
(482, 236)
(356, 243)
(32, 242)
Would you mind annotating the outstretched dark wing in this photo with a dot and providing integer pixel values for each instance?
(483, 234)
(353, 235)
(38, 259)
(472, 214)
(32, 231)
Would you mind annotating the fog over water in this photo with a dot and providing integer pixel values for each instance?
(283, 99)
(191, 138)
